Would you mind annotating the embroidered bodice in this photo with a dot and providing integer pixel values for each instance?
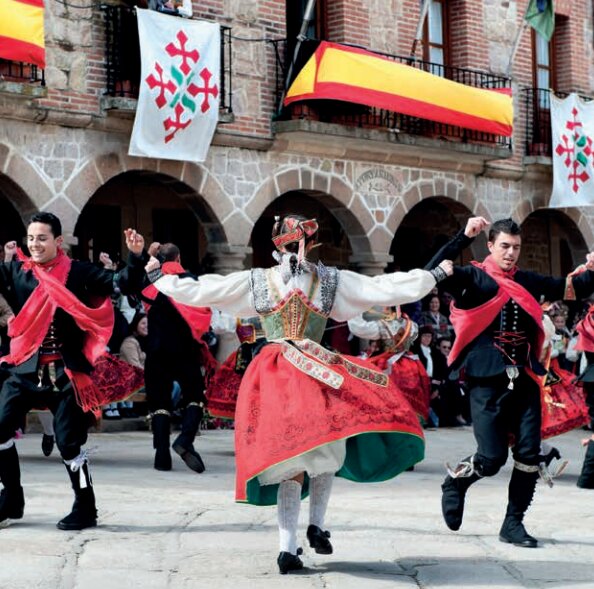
(287, 312)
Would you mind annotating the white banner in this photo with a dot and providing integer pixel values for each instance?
(572, 135)
(178, 103)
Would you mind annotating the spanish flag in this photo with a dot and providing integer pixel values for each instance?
(21, 31)
(338, 72)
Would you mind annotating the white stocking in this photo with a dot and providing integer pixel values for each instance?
(319, 494)
(288, 503)
(47, 422)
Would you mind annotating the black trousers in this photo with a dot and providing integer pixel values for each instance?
(497, 412)
(162, 369)
(21, 392)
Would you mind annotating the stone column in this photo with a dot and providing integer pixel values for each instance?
(372, 263)
(228, 258)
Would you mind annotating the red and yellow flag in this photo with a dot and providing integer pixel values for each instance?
(21, 31)
(338, 72)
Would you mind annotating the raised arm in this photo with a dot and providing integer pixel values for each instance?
(453, 248)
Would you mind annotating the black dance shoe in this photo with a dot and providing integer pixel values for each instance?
(513, 532)
(318, 540)
(289, 562)
(47, 444)
(190, 457)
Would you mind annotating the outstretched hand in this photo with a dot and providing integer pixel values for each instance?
(475, 225)
(447, 266)
(134, 241)
(153, 264)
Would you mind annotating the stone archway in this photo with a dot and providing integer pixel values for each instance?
(427, 226)
(159, 206)
(333, 195)
(552, 242)
(198, 184)
(335, 248)
(15, 208)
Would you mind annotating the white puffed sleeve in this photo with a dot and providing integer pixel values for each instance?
(364, 329)
(230, 294)
(357, 293)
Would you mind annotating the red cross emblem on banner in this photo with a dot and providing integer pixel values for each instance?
(179, 89)
(576, 150)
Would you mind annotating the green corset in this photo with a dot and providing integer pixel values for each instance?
(294, 319)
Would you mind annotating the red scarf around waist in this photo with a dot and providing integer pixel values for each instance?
(28, 329)
(470, 323)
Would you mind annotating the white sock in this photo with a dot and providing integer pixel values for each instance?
(47, 422)
(319, 494)
(288, 503)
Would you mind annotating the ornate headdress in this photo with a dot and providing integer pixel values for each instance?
(295, 230)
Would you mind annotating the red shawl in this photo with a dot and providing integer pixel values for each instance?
(31, 325)
(470, 323)
(585, 329)
(197, 318)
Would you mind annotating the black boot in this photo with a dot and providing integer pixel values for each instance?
(47, 444)
(161, 429)
(289, 562)
(184, 443)
(319, 540)
(454, 494)
(586, 479)
(12, 500)
(84, 512)
(521, 491)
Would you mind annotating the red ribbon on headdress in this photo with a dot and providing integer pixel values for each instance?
(297, 231)
(31, 325)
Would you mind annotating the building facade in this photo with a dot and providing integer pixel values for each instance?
(387, 189)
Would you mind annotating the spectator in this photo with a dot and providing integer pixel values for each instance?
(439, 322)
(454, 401)
(434, 365)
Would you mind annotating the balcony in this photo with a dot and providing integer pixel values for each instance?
(538, 122)
(23, 79)
(400, 133)
(122, 63)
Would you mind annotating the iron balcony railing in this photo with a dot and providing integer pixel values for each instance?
(538, 120)
(122, 56)
(345, 113)
(16, 71)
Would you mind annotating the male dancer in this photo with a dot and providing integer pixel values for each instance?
(56, 337)
(499, 336)
(175, 352)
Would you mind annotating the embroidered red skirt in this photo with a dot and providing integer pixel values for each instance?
(411, 378)
(290, 403)
(116, 380)
(223, 388)
(563, 404)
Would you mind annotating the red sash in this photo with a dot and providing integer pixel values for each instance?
(31, 325)
(470, 323)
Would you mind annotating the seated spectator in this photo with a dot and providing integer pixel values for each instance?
(433, 362)
(455, 407)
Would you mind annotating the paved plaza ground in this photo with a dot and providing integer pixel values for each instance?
(180, 530)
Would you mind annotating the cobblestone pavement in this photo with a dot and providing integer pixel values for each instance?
(180, 530)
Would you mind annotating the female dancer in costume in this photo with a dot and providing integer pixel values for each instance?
(305, 414)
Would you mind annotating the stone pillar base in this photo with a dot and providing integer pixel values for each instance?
(228, 258)
(371, 264)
